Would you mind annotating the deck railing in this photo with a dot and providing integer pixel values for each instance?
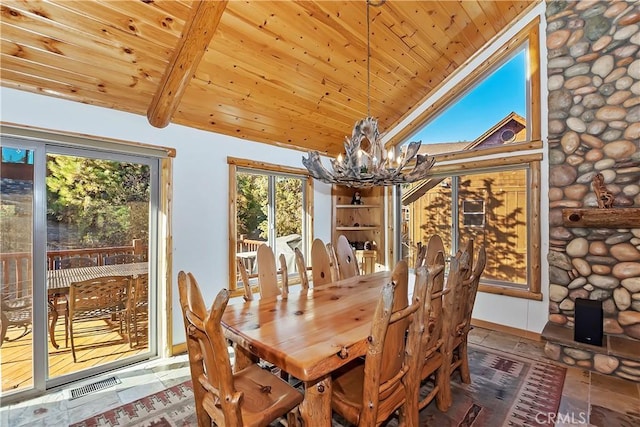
(16, 267)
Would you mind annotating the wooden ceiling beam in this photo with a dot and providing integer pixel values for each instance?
(196, 36)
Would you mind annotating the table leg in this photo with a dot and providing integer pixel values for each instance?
(315, 409)
(54, 320)
(243, 358)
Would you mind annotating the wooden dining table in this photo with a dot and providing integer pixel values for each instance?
(309, 334)
(59, 281)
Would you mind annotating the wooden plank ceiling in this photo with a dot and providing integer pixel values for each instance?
(281, 72)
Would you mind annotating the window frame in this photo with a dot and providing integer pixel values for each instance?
(238, 165)
(475, 160)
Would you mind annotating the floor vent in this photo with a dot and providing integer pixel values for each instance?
(91, 388)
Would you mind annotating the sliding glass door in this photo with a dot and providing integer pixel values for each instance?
(17, 206)
(76, 222)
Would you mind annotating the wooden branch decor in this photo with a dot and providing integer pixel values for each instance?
(606, 216)
(195, 38)
(604, 196)
(601, 218)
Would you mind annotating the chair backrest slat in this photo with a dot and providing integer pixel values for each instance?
(284, 273)
(335, 271)
(301, 265)
(267, 272)
(320, 263)
(347, 262)
(248, 293)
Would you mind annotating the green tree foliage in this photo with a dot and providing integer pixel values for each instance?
(289, 206)
(253, 206)
(94, 198)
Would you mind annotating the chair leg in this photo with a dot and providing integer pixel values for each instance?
(292, 418)
(4, 324)
(465, 374)
(443, 382)
(73, 347)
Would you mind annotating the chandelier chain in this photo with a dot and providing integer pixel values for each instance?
(366, 162)
(368, 62)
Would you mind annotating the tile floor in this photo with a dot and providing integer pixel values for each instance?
(589, 399)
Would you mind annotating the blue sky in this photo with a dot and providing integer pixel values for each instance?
(485, 105)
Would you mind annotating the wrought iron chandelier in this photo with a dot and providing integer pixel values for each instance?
(366, 162)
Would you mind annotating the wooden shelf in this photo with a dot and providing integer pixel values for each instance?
(356, 206)
(601, 218)
(370, 227)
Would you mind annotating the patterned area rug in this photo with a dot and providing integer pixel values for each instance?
(506, 390)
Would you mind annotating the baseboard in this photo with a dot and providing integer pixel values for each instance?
(507, 329)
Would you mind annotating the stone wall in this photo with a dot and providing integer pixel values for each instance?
(594, 127)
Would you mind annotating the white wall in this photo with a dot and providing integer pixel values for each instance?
(200, 178)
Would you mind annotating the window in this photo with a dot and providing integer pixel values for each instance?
(473, 213)
(271, 206)
(486, 189)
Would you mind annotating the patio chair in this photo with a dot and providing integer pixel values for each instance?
(15, 311)
(76, 262)
(367, 393)
(99, 298)
(57, 301)
(250, 397)
(320, 263)
(123, 259)
(138, 304)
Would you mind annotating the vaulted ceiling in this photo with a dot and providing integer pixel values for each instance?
(290, 73)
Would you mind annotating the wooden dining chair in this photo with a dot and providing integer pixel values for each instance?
(267, 272)
(320, 263)
(347, 262)
(250, 397)
(452, 300)
(335, 272)
(432, 351)
(99, 298)
(462, 325)
(301, 266)
(284, 274)
(367, 393)
(420, 255)
(244, 276)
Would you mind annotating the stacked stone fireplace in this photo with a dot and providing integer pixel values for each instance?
(594, 127)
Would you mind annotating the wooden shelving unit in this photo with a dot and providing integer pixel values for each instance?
(360, 223)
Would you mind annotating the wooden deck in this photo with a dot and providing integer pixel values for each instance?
(97, 342)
